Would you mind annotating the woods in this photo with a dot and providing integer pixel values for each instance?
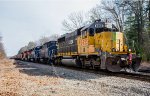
(41, 41)
(2, 50)
(130, 16)
(137, 26)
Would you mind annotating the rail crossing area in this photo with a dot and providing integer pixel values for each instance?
(19, 78)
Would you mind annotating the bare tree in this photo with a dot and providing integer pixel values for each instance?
(28, 47)
(2, 50)
(43, 40)
(95, 14)
(148, 16)
(31, 45)
(116, 10)
(25, 48)
(54, 37)
(73, 22)
(146, 46)
(40, 42)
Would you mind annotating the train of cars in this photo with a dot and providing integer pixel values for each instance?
(98, 46)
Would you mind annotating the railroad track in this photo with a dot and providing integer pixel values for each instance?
(132, 75)
(128, 75)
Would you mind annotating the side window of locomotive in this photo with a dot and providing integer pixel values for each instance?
(84, 34)
(99, 25)
(91, 32)
(99, 28)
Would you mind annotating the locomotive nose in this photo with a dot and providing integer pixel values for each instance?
(116, 64)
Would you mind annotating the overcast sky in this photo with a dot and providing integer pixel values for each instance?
(22, 21)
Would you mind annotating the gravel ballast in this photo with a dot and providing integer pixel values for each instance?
(31, 79)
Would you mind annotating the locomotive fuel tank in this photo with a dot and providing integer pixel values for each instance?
(69, 62)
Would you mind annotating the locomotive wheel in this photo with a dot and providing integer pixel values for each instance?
(78, 63)
(94, 64)
(113, 64)
(97, 63)
(55, 62)
(83, 63)
(59, 61)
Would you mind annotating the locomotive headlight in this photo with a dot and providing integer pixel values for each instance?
(113, 50)
(129, 50)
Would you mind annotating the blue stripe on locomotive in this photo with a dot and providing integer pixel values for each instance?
(52, 48)
(37, 51)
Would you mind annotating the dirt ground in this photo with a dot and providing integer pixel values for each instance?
(30, 79)
(145, 66)
(14, 83)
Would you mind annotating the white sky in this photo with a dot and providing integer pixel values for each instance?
(22, 21)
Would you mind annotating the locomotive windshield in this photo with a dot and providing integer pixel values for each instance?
(107, 27)
(91, 32)
(97, 27)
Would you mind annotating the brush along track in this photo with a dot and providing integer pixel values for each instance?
(128, 75)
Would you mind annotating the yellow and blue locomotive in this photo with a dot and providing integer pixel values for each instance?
(99, 45)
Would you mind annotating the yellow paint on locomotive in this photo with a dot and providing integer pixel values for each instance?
(86, 44)
(109, 41)
(112, 42)
(67, 54)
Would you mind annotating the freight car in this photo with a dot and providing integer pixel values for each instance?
(98, 46)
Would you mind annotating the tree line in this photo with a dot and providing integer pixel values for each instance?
(39, 42)
(2, 50)
(130, 16)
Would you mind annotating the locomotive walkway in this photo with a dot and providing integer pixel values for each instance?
(31, 79)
